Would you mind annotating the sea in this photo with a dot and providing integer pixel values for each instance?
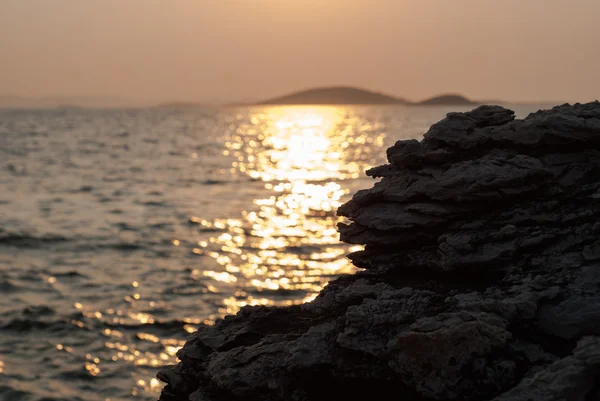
(122, 231)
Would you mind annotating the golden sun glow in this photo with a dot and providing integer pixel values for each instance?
(299, 164)
(288, 242)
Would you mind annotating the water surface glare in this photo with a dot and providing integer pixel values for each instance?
(123, 230)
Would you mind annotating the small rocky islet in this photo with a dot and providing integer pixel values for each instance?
(481, 279)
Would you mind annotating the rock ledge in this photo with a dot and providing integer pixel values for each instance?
(481, 280)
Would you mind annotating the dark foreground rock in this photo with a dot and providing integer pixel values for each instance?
(481, 281)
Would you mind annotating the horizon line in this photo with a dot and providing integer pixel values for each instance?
(130, 102)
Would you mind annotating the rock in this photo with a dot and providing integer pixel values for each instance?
(481, 280)
(574, 378)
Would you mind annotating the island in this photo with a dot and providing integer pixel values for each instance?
(340, 95)
(449, 100)
(344, 95)
(334, 95)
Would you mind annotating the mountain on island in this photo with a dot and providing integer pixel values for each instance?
(335, 95)
(449, 99)
(351, 95)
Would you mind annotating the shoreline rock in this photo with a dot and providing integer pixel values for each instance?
(481, 280)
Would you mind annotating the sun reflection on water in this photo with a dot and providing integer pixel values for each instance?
(285, 248)
(281, 250)
(129, 229)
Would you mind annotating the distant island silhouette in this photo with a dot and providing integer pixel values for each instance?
(341, 95)
(450, 99)
(332, 95)
(349, 95)
(335, 95)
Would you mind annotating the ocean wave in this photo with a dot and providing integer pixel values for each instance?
(174, 324)
(70, 273)
(13, 394)
(22, 324)
(38, 317)
(24, 240)
(210, 182)
(7, 286)
(280, 292)
(18, 171)
(38, 310)
(154, 204)
(192, 289)
(121, 246)
(9, 393)
(82, 189)
(213, 145)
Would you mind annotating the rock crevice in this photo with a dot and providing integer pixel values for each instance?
(481, 280)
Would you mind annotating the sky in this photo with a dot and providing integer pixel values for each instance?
(240, 50)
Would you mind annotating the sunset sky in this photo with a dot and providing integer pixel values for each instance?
(236, 50)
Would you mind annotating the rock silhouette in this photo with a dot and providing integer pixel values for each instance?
(481, 280)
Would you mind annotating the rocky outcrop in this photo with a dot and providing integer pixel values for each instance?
(481, 280)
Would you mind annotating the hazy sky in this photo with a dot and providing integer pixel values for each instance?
(213, 50)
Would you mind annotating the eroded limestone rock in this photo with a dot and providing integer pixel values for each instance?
(482, 279)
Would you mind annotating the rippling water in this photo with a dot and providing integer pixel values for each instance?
(122, 230)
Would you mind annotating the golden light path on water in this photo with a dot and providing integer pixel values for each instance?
(289, 245)
(281, 250)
